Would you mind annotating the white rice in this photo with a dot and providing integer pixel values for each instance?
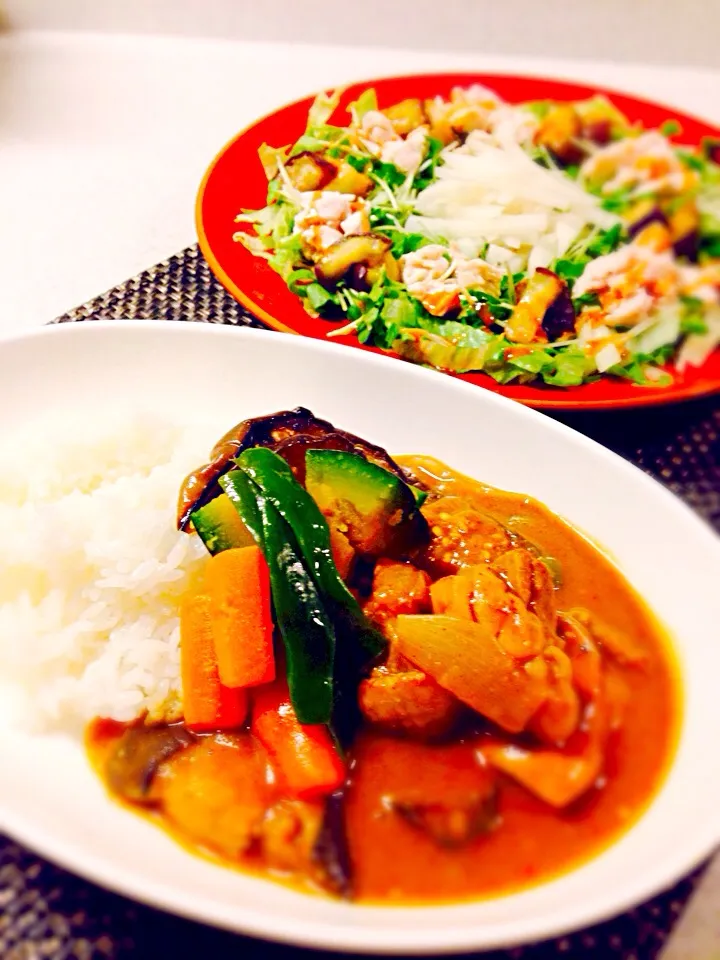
(92, 567)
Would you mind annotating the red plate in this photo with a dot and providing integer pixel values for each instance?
(235, 180)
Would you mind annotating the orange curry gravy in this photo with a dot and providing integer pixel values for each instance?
(394, 861)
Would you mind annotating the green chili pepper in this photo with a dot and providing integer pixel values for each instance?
(274, 477)
(307, 631)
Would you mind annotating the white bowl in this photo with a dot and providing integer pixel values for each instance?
(51, 801)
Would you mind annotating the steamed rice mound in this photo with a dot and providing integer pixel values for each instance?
(92, 567)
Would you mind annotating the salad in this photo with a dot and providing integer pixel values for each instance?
(544, 241)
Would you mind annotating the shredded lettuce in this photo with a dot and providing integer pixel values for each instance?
(426, 171)
(664, 332)
(271, 158)
(323, 107)
(644, 368)
(366, 102)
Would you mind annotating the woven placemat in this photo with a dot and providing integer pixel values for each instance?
(48, 914)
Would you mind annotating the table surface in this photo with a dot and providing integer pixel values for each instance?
(104, 139)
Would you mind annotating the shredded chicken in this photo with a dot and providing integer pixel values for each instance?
(379, 137)
(437, 276)
(327, 216)
(647, 161)
(628, 282)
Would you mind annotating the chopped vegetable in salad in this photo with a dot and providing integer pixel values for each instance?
(545, 241)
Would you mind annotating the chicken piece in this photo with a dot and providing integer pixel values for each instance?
(397, 588)
(583, 653)
(648, 161)
(558, 777)
(437, 275)
(460, 536)
(702, 282)
(378, 135)
(628, 283)
(542, 603)
(326, 216)
(288, 834)
(516, 569)
(216, 791)
(407, 154)
(522, 634)
(530, 580)
(612, 641)
(558, 718)
(409, 702)
(477, 593)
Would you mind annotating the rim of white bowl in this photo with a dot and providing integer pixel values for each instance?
(354, 935)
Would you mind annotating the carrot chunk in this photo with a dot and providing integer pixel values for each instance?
(305, 755)
(207, 703)
(238, 583)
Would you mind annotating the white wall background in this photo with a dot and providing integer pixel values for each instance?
(679, 32)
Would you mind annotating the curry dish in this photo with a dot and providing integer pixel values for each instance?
(399, 685)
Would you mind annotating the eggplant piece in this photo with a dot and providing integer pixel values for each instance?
(201, 485)
(357, 278)
(641, 215)
(559, 317)
(139, 753)
(598, 131)
(349, 180)
(453, 823)
(367, 248)
(293, 449)
(406, 116)
(655, 235)
(540, 291)
(684, 226)
(711, 149)
(376, 509)
(331, 852)
(688, 246)
(559, 131)
(310, 171)
(601, 120)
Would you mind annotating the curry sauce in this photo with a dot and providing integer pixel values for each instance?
(427, 820)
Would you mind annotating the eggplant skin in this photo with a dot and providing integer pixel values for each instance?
(310, 171)
(559, 132)
(684, 225)
(276, 431)
(536, 295)
(137, 756)
(642, 216)
(452, 824)
(559, 317)
(360, 248)
(331, 852)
